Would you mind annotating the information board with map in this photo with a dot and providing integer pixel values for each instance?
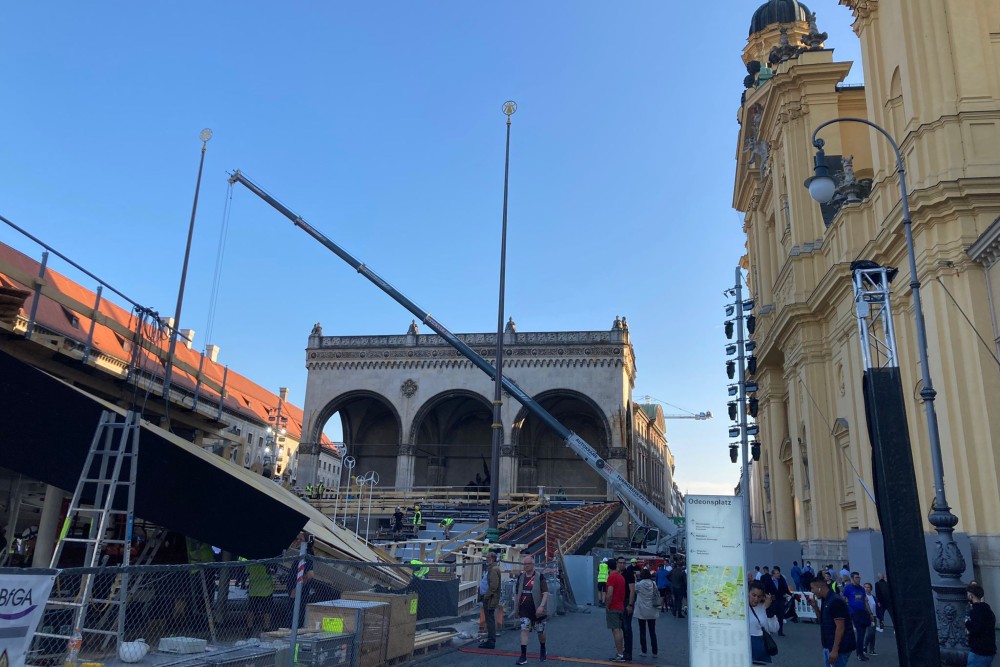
(717, 582)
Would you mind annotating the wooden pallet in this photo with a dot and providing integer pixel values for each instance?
(399, 660)
(426, 641)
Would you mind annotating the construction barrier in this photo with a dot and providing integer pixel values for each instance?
(244, 610)
(802, 607)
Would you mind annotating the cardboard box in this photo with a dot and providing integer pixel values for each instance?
(402, 619)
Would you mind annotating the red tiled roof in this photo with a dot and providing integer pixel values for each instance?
(243, 396)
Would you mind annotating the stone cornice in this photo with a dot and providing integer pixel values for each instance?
(433, 340)
(863, 11)
(325, 361)
(986, 249)
(588, 349)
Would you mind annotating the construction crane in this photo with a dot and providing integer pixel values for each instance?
(615, 479)
(700, 416)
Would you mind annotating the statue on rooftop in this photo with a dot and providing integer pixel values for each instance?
(317, 330)
(813, 41)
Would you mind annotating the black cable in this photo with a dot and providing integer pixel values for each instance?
(847, 458)
(978, 335)
(66, 259)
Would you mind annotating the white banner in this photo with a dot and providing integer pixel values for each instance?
(719, 635)
(22, 602)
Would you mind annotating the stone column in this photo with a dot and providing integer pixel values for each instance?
(405, 463)
(307, 469)
(48, 526)
(618, 459)
(782, 499)
(508, 470)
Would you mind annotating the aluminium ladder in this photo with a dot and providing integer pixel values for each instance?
(104, 493)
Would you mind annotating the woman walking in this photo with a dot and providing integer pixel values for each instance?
(759, 622)
(871, 604)
(647, 602)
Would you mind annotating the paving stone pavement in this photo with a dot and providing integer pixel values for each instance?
(583, 638)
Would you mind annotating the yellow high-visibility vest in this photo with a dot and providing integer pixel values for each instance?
(602, 573)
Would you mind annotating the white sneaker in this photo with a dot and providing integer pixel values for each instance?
(879, 630)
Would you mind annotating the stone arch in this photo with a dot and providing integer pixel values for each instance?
(372, 431)
(452, 439)
(544, 458)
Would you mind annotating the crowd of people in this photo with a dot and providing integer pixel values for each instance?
(850, 613)
(629, 591)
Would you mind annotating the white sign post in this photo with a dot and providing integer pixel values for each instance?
(22, 602)
(719, 634)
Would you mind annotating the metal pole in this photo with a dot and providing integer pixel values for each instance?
(508, 108)
(361, 492)
(300, 571)
(93, 324)
(340, 482)
(741, 361)
(38, 296)
(206, 134)
(949, 562)
(371, 492)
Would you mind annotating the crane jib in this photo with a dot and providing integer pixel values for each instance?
(579, 446)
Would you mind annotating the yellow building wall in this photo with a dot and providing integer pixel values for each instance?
(932, 79)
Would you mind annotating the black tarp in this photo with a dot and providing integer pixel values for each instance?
(48, 428)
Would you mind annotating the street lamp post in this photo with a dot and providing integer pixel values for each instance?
(949, 563)
(205, 135)
(509, 108)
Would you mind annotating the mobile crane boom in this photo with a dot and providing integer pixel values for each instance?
(619, 484)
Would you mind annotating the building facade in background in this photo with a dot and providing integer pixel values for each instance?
(55, 324)
(932, 80)
(415, 411)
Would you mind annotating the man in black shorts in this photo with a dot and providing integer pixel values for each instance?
(532, 594)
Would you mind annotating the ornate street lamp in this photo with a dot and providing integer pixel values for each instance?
(949, 564)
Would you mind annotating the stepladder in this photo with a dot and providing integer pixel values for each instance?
(99, 520)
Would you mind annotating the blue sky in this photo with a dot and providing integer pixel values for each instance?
(380, 123)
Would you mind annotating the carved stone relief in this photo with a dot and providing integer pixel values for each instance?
(408, 388)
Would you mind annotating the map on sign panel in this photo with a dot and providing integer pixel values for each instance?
(717, 592)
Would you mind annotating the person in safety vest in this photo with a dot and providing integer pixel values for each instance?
(446, 524)
(418, 518)
(419, 569)
(309, 490)
(320, 490)
(602, 581)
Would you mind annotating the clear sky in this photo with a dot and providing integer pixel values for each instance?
(380, 123)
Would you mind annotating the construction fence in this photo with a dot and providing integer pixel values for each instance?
(242, 612)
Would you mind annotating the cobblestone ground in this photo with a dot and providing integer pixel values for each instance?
(583, 638)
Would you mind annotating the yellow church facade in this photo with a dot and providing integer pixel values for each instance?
(932, 80)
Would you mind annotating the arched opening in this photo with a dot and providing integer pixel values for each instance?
(452, 437)
(370, 428)
(545, 460)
